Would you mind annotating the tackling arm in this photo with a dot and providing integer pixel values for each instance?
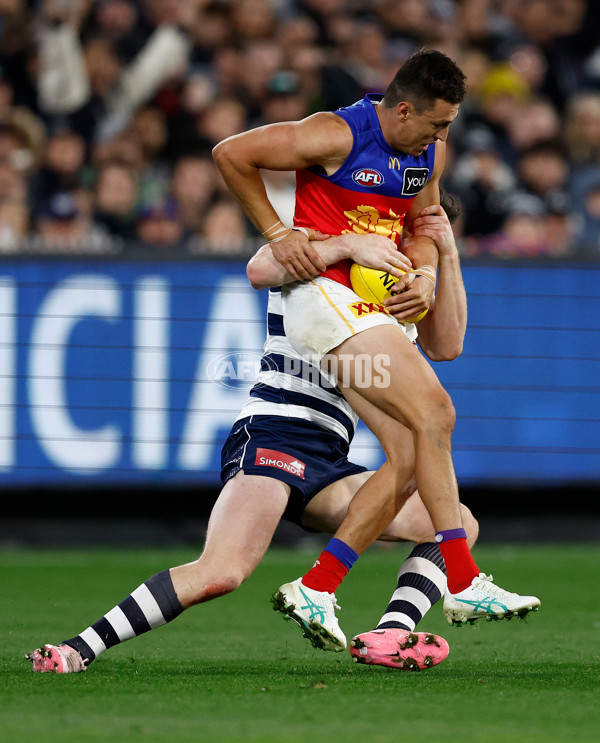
(375, 251)
(442, 331)
(417, 296)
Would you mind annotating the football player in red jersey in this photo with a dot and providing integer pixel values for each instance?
(401, 136)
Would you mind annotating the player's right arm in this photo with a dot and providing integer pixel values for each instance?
(373, 251)
(322, 139)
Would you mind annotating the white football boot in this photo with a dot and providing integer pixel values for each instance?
(485, 599)
(314, 611)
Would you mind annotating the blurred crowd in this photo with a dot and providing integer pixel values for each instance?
(109, 110)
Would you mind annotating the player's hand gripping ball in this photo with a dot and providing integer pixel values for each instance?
(375, 285)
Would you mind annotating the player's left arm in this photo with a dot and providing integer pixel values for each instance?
(422, 251)
(376, 251)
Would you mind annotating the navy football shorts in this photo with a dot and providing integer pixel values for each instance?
(295, 451)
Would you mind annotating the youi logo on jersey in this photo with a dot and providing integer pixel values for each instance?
(368, 177)
(413, 180)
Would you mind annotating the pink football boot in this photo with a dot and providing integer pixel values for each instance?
(56, 659)
(399, 648)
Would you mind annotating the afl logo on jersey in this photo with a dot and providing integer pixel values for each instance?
(367, 177)
(413, 180)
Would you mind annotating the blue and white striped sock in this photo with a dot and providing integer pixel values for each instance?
(151, 605)
(421, 582)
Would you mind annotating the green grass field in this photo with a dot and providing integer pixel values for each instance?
(232, 670)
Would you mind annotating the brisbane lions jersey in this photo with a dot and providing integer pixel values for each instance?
(370, 193)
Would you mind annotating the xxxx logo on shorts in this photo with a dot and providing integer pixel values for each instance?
(360, 309)
(286, 462)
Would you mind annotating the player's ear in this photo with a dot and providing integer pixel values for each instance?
(403, 110)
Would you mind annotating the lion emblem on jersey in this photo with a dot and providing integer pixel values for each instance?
(365, 220)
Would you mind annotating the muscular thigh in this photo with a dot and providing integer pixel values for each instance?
(411, 393)
(395, 438)
(244, 519)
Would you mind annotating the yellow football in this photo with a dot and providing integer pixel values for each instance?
(375, 285)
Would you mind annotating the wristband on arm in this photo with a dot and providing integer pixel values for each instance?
(428, 272)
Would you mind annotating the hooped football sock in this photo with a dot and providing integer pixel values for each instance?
(151, 605)
(460, 565)
(421, 582)
(331, 567)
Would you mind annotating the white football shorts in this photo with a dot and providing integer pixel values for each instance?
(320, 314)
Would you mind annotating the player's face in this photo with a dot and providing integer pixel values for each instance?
(417, 130)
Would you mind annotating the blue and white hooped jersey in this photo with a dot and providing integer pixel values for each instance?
(289, 387)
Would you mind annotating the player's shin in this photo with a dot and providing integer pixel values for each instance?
(421, 583)
(151, 605)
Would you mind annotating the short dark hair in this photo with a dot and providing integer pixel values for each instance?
(451, 205)
(427, 75)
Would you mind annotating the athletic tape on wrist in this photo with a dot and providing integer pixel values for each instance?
(271, 234)
(273, 225)
(427, 272)
(288, 231)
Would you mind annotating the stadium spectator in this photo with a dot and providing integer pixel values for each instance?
(150, 128)
(253, 20)
(116, 200)
(526, 232)
(543, 171)
(582, 128)
(193, 190)
(159, 227)
(225, 230)
(482, 181)
(90, 84)
(260, 61)
(63, 167)
(14, 225)
(14, 209)
(536, 121)
(211, 31)
(64, 228)
(586, 201)
(124, 148)
(501, 94)
(284, 100)
(224, 117)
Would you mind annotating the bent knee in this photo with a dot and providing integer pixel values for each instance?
(208, 585)
(223, 585)
(470, 524)
(434, 411)
(442, 412)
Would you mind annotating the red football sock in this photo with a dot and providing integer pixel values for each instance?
(460, 565)
(326, 574)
